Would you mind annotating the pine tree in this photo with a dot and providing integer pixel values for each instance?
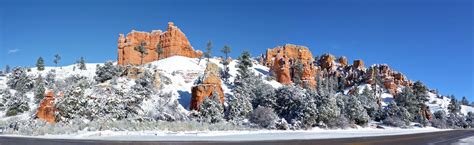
(20, 81)
(211, 110)
(159, 50)
(39, 89)
(244, 64)
(464, 101)
(369, 102)
(81, 63)
(142, 50)
(17, 104)
(356, 111)
(208, 52)
(408, 100)
(454, 106)
(40, 64)
(297, 72)
(226, 50)
(106, 72)
(56, 60)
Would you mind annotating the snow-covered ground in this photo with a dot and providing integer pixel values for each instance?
(238, 135)
(466, 141)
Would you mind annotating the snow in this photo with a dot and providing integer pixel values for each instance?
(237, 135)
(466, 141)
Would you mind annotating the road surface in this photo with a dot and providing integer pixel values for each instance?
(432, 138)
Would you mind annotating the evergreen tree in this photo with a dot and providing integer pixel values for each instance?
(454, 106)
(356, 111)
(40, 64)
(297, 72)
(226, 50)
(106, 72)
(4, 96)
(239, 107)
(408, 100)
(244, 65)
(211, 110)
(159, 50)
(208, 52)
(39, 89)
(20, 81)
(327, 107)
(17, 104)
(369, 102)
(81, 64)
(142, 50)
(396, 116)
(56, 60)
(464, 101)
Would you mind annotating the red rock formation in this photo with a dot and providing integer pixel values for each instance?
(326, 62)
(46, 109)
(391, 80)
(281, 58)
(342, 61)
(173, 42)
(209, 84)
(358, 64)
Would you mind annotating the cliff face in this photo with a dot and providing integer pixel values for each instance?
(173, 42)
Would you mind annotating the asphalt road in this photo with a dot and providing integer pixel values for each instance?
(434, 138)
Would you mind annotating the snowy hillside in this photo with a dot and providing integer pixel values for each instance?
(87, 99)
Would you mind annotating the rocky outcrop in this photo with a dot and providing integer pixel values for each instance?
(358, 64)
(390, 79)
(206, 86)
(173, 42)
(46, 110)
(282, 61)
(342, 61)
(326, 61)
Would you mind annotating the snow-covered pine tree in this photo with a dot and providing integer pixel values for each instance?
(454, 106)
(106, 72)
(4, 95)
(464, 101)
(17, 104)
(408, 100)
(293, 103)
(369, 102)
(244, 65)
(439, 119)
(39, 89)
(356, 112)
(327, 107)
(72, 105)
(40, 64)
(297, 72)
(225, 72)
(144, 86)
(211, 110)
(395, 115)
(81, 64)
(239, 107)
(20, 81)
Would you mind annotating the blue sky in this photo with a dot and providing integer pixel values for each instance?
(428, 40)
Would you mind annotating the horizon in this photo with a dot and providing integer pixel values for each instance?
(430, 41)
